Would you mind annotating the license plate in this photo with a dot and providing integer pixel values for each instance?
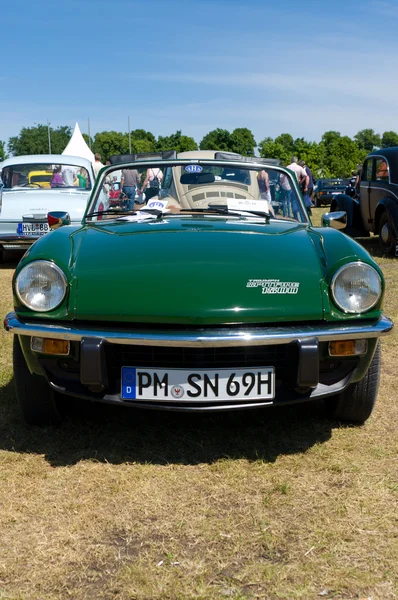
(140, 383)
(30, 228)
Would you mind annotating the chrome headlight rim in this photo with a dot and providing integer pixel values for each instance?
(358, 263)
(52, 265)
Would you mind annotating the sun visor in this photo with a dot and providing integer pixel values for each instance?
(126, 158)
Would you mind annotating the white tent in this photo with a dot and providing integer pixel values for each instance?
(77, 146)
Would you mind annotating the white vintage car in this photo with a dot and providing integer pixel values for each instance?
(34, 185)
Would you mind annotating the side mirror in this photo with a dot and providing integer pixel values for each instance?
(337, 220)
(58, 218)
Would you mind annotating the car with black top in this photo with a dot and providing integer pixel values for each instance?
(327, 189)
(375, 208)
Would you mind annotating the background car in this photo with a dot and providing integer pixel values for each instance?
(376, 208)
(326, 189)
(208, 307)
(28, 194)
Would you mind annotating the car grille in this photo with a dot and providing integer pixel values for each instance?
(118, 356)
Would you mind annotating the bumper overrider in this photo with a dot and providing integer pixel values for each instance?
(299, 355)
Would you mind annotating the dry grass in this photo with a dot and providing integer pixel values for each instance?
(119, 504)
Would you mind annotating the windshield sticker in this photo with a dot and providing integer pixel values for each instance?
(236, 204)
(274, 286)
(193, 169)
(158, 204)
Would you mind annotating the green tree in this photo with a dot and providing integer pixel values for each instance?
(269, 148)
(176, 141)
(218, 139)
(367, 139)
(3, 154)
(107, 143)
(389, 139)
(243, 141)
(339, 155)
(286, 141)
(143, 139)
(34, 140)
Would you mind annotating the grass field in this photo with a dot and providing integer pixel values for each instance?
(280, 504)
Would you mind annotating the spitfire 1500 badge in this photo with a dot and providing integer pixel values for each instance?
(274, 286)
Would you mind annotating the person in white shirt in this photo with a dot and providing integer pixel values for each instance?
(153, 183)
(287, 193)
(97, 164)
(68, 174)
(300, 172)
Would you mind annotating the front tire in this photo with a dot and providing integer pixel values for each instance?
(36, 400)
(387, 234)
(356, 403)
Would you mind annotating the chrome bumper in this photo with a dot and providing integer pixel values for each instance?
(203, 337)
(14, 241)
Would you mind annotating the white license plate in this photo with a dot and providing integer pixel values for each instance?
(30, 228)
(188, 385)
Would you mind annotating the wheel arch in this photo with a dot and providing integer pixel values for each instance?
(351, 207)
(389, 205)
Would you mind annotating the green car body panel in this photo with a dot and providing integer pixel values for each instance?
(196, 271)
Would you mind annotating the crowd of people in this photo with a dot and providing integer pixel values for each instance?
(125, 184)
(66, 176)
(305, 179)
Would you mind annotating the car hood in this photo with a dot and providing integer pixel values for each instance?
(37, 203)
(195, 271)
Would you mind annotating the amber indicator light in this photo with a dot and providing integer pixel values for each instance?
(342, 348)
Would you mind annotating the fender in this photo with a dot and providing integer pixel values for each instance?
(391, 206)
(351, 206)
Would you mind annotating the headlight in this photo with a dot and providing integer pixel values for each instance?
(356, 287)
(41, 286)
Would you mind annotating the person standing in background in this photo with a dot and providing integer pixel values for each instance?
(129, 184)
(153, 183)
(97, 164)
(263, 184)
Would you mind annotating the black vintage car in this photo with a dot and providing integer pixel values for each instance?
(376, 208)
(327, 189)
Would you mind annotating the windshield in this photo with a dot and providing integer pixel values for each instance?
(200, 186)
(45, 176)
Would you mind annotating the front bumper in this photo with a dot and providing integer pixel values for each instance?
(297, 352)
(196, 337)
(13, 241)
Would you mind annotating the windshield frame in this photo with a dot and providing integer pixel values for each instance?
(163, 164)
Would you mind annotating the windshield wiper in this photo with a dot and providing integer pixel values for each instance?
(224, 210)
(122, 212)
(109, 211)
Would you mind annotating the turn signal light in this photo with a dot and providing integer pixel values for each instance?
(348, 347)
(50, 346)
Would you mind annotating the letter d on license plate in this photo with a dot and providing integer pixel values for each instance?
(188, 385)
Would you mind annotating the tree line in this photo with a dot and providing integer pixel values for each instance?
(335, 155)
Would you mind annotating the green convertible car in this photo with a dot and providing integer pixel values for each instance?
(197, 293)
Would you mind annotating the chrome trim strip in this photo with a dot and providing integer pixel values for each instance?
(197, 337)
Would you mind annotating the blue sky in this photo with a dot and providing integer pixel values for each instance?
(291, 66)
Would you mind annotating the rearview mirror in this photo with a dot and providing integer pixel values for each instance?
(196, 178)
(337, 220)
(58, 218)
